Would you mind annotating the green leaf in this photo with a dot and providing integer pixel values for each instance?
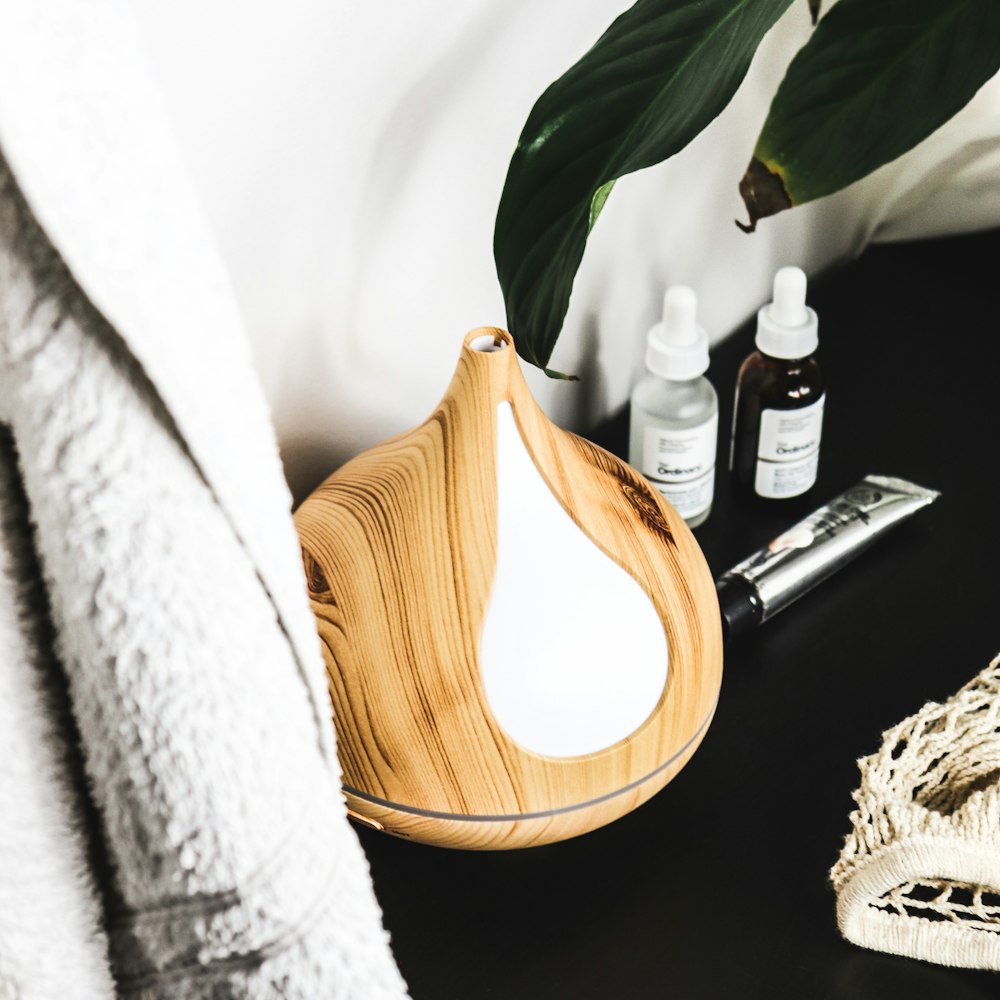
(597, 203)
(650, 84)
(875, 78)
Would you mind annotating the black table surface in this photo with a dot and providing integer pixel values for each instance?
(718, 886)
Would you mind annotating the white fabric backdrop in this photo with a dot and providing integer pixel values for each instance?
(350, 158)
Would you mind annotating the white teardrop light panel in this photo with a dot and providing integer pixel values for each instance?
(573, 653)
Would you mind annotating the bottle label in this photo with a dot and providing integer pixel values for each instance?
(681, 465)
(788, 450)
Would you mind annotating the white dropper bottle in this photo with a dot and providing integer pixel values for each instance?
(675, 411)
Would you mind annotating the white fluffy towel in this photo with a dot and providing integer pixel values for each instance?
(153, 618)
(52, 940)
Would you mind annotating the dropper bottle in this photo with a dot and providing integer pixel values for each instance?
(780, 393)
(675, 412)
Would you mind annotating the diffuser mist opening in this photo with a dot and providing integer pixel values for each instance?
(487, 344)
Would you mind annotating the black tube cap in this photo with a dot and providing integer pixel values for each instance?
(740, 604)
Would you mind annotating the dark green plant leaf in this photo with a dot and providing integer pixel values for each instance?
(650, 84)
(814, 9)
(875, 78)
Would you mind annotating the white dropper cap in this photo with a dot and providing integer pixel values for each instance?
(788, 328)
(677, 348)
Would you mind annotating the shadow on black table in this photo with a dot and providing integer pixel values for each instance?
(717, 887)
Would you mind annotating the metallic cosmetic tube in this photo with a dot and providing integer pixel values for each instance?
(805, 555)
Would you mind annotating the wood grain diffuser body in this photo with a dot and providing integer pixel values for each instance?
(522, 639)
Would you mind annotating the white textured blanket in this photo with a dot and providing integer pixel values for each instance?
(52, 940)
(159, 577)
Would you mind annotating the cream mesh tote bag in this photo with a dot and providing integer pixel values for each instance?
(919, 874)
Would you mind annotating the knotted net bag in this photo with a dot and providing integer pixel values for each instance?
(919, 874)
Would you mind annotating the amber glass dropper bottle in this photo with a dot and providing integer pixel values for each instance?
(780, 393)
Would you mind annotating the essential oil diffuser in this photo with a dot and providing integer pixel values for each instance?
(522, 638)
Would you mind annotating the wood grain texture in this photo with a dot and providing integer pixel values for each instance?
(399, 548)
